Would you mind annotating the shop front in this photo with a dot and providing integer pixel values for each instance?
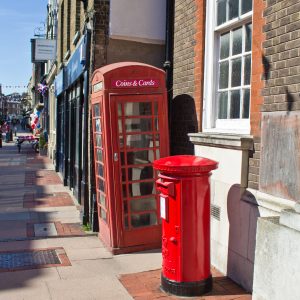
(70, 118)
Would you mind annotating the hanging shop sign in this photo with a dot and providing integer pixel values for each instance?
(76, 63)
(42, 50)
(59, 83)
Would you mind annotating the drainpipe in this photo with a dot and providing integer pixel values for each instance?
(168, 64)
(84, 180)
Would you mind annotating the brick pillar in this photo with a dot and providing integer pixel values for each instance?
(257, 85)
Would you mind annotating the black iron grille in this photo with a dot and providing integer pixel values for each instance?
(15, 260)
(215, 211)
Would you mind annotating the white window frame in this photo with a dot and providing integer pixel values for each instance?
(211, 69)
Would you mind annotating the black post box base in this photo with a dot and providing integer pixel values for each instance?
(186, 289)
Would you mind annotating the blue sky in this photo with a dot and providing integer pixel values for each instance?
(18, 21)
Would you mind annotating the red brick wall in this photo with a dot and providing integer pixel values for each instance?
(257, 85)
(258, 37)
(186, 107)
(199, 58)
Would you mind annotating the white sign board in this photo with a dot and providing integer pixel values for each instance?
(163, 207)
(44, 50)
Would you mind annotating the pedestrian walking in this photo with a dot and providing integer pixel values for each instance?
(14, 125)
(7, 132)
(23, 123)
(0, 136)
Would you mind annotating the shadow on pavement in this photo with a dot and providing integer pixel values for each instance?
(16, 220)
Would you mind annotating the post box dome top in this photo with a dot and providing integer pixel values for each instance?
(185, 165)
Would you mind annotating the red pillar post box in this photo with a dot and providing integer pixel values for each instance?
(130, 131)
(185, 211)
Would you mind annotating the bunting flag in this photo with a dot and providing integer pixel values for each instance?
(35, 117)
(42, 88)
(14, 86)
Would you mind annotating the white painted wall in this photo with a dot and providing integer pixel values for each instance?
(233, 236)
(138, 20)
(277, 256)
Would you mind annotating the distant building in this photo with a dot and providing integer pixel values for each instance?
(11, 105)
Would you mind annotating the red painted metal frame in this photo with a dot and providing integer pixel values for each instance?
(184, 179)
(113, 232)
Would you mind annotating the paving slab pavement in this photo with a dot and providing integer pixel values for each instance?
(34, 202)
(29, 207)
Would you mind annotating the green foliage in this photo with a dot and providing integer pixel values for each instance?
(42, 142)
(87, 227)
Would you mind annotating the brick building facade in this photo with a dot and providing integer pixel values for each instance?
(90, 35)
(183, 108)
(247, 115)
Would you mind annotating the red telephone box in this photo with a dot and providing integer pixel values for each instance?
(130, 131)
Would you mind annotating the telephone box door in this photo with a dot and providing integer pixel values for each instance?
(140, 138)
(100, 170)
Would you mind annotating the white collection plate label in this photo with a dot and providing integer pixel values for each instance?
(163, 212)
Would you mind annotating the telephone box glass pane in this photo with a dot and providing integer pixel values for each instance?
(98, 140)
(126, 222)
(140, 173)
(100, 170)
(121, 142)
(99, 155)
(140, 157)
(103, 214)
(96, 110)
(102, 200)
(119, 109)
(138, 109)
(120, 126)
(138, 125)
(156, 124)
(143, 204)
(125, 207)
(124, 190)
(157, 154)
(123, 174)
(98, 125)
(101, 185)
(139, 141)
(143, 220)
(141, 189)
(155, 108)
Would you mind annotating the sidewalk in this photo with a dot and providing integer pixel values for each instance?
(45, 254)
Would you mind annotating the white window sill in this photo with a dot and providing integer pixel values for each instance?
(234, 131)
(220, 140)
